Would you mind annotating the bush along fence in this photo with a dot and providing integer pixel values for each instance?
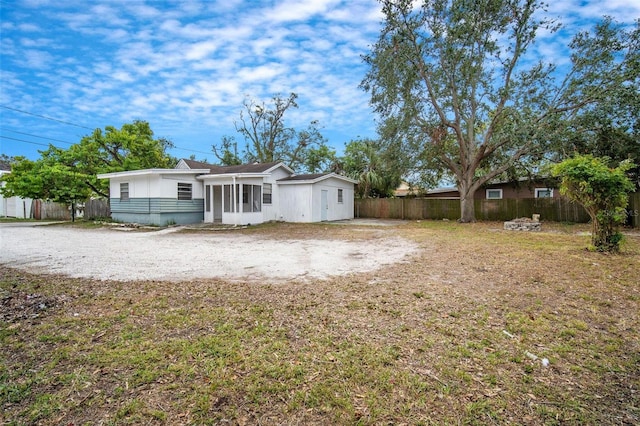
(549, 209)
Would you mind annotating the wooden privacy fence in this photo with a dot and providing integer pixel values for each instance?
(91, 209)
(634, 210)
(96, 209)
(549, 209)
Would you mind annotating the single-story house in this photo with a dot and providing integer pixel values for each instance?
(195, 192)
(523, 188)
(13, 206)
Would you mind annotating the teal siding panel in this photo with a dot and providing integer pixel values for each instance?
(133, 205)
(158, 219)
(157, 205)
(165, 205)
(157, 211)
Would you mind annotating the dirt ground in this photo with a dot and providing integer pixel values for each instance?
(177, 254)
(415, 323)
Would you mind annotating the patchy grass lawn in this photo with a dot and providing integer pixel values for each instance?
(449, 338)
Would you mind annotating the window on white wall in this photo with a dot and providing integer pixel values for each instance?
(494, 194)
(340, 196)
(266, 193)
(544, 193)
(256, 199)
(124, 191)
(251, 198)
(185, 191)
(228, 198)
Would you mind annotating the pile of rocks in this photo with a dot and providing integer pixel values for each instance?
(524, 224)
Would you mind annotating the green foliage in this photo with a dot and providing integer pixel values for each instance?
(367, 161)
(611, 126)
(132, 147)
(457, 92)
(268, 139)
(69, 176)
(50, 178)
(603, 191)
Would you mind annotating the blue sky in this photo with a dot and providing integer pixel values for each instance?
(186, 66)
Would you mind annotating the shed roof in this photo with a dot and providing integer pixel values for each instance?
(313, 178)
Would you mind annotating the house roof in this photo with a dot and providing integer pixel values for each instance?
(152, 172)
(313, 178)
(5, 167)
(242, 168)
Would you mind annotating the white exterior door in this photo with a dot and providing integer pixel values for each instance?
(324, 205)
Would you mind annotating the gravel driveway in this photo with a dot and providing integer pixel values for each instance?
(173, 256)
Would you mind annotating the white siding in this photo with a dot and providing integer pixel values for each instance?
(302, 202)
(14, 206)
(337, 211)
(272, 212)
(295, 203)
(155, 186)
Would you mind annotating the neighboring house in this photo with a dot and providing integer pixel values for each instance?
(524, 188)
(405, 190)
(13, 206)
(195, 192)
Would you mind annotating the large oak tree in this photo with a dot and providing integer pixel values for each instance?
(456, 86)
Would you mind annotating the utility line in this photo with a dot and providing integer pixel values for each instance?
(45, 117)
(36, 136)
(70, 124)
(22, 140)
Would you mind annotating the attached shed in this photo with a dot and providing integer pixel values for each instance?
(316, 197)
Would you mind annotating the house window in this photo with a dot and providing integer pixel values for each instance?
(257, 198)
(184, 191)
(544, 193)
(228, 198)
(251, 198)
(124, 192)
(494, 194)
(266, 193)
(340, 199)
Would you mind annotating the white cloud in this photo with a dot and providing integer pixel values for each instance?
(28, 27)
(298, 10)
(36, 59)
(200, 50)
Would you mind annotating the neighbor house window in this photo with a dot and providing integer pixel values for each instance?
(124, 192)
(340, 199)
(185, 191)
(494, 194)
(544, 193)
(266, 193)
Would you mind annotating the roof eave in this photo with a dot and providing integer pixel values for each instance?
(236, 175)
(144, 172)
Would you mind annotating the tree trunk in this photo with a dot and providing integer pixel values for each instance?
(467, 204)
